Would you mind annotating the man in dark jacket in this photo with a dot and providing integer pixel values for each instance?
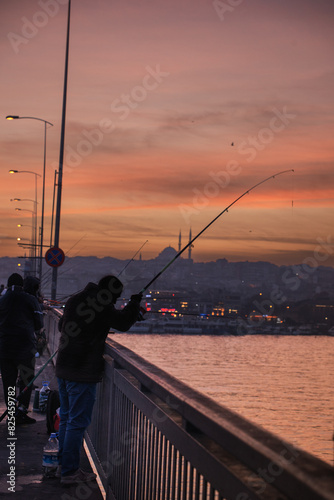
(20, 317)
(87, 319)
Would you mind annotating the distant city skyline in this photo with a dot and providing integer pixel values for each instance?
(174, 109)
(322, 255)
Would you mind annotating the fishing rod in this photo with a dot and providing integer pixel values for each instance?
(30, 383)
(206, 227)
(126, 265)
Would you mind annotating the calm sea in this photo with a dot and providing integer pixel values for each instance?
(283, 383)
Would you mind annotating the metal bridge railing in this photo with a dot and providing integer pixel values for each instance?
(154, 438)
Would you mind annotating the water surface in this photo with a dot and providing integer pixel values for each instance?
(284, 383)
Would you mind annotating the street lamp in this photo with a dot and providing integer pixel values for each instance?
(15, 117)
(33, 235)
(35, 222)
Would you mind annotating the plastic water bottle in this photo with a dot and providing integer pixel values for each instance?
(50, 456)
(43, 397)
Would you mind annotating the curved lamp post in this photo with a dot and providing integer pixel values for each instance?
(35, 206)
(15, 117)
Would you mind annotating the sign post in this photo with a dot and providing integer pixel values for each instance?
(55, 257)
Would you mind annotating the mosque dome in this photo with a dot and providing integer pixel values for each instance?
(167, 254)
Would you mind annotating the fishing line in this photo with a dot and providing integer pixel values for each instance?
(67, 296)
(206, 227)
(126, 265)
(47, 275)
(75, 244)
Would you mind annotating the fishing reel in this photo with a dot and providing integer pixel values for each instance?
(142, 312)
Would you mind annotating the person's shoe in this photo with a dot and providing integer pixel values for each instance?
(22, 418)
(79, 476)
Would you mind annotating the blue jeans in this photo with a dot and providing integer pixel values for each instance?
(76, 406)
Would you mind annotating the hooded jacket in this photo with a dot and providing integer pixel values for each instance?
(87, 319)
(20, 317)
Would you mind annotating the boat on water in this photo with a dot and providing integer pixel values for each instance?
(167, 325)
(221, 326)
(304, 330)
(141, 327)
(184, 326)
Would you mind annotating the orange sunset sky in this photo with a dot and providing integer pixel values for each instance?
(174, 109)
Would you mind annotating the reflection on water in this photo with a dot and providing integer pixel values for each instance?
(284, 384)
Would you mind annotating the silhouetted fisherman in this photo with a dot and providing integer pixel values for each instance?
(20, 317)
(88, 317)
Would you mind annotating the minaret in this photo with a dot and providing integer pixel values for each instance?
(180, 241)
(190, 246)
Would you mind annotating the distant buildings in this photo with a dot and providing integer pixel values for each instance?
(253, 290)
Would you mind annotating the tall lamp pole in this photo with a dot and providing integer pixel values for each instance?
(61, 157)
(15, 117)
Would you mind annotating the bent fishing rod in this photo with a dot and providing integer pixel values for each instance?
(208, 225)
